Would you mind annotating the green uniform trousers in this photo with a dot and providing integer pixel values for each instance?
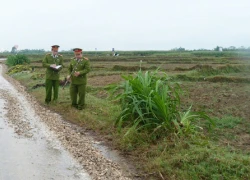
(78, 90)
(49, 85)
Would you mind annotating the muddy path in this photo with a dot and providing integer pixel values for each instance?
(36, 143)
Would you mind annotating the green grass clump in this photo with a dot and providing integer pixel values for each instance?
(151, 103)
(207, 70)
(227, 122)
(13, 60)
(189, 159)
(19, 68)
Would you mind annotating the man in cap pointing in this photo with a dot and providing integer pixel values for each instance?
(78, 69)
(54, 63)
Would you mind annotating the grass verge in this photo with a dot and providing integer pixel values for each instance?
(170, 157)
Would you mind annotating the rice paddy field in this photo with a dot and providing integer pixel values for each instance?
(216, 83)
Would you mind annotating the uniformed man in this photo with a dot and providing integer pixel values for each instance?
(54, 64)
(78, 69)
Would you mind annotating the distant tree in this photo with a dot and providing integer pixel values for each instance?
(217, 48)
(232, 48)
(32, 51)
(242, 48)
(174, 49)
(181, 49)
(201, 49)
(178, 49)
(13, 50)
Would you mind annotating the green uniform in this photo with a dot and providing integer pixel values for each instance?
(78, 84)
(52, 75)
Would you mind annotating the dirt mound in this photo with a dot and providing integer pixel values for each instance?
(131, 68)
(228, 79)
(184, 77)
(208, 70)
(200, 67)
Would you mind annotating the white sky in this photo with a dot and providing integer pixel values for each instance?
(124, 25)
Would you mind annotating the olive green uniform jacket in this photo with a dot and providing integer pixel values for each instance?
(83, 66)
(47, 61)
(78, 84)
(52, 75)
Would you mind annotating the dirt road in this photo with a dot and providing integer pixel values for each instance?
(36, 143)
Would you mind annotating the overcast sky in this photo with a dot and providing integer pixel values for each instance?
(124, 25)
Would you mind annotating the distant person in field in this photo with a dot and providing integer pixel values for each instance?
(54, 64)
(78, 69)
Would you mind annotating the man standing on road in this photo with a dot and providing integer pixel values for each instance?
(54, 64)
(78, 69)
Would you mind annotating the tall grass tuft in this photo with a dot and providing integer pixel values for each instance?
(150, 102)
(13, 60)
